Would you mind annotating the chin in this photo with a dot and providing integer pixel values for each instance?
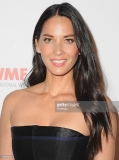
(56, 73)
(59, 71)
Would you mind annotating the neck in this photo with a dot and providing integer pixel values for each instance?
(56, 85)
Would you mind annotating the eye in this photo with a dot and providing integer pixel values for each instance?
(47, 40)
(69, 40)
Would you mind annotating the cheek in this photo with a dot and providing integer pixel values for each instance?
(73, 51)
(45, 49)
(44, 53)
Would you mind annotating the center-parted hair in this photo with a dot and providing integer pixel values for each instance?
(88, 77)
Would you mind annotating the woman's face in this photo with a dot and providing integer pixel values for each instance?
(57, 42)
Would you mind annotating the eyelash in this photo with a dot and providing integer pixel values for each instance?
(72, 40)
(47, 39)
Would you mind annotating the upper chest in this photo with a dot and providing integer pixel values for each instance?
(42, 110)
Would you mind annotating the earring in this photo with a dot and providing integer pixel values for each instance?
(38, 52)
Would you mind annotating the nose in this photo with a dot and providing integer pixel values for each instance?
(58, 50)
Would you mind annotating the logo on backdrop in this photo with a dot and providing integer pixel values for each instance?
(12, 77)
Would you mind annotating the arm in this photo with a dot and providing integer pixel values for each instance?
(108, 147)
(5, 132)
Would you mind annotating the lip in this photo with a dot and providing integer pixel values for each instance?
(58, 59)
(58, 64)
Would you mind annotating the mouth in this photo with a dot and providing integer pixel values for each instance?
(58, 62)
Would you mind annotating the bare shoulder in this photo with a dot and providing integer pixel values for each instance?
(18, 96)
(112, 109)
(113, 116)
(9, 102)
(12, 97)
(110, 104)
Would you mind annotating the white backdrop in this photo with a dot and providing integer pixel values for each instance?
(18, 19)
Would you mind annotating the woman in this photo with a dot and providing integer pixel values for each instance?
(65, 68)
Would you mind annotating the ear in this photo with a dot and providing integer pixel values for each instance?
(37, 46)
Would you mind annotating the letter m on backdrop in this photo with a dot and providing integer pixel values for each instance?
(11, 74)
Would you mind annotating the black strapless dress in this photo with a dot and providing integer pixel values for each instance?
(35, 142)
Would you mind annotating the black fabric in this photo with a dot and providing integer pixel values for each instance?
(35, 142)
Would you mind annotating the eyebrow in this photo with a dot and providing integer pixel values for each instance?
(70, 35)
(64, 36)
(47, 35)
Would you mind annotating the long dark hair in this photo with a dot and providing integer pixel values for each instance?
(88, 77)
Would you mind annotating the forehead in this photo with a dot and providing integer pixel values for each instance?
(58, 25)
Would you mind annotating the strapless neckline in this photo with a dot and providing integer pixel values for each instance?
(57, 127)
(33, 142)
